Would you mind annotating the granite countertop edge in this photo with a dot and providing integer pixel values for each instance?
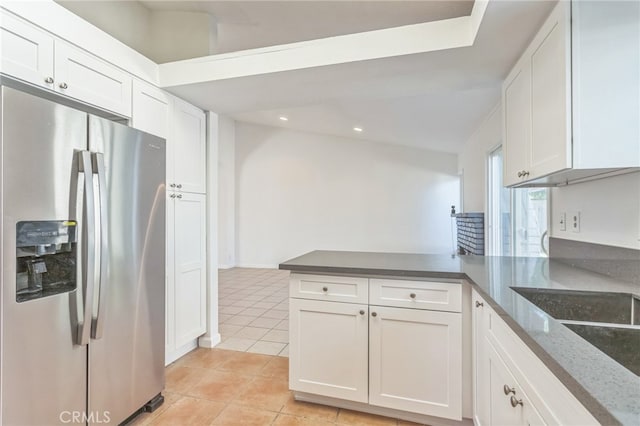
(595, 407)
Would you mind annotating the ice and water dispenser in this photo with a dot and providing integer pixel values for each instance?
(45, 258)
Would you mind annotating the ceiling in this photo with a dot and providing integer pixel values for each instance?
(431, 100)
(251, 24)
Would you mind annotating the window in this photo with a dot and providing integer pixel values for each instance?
(517, 218)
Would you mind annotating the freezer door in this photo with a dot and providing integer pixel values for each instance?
(43, 373)
(126, 352)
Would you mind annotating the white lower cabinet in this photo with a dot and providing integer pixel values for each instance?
(508, 404)
(511, 386)
(391, 357)
(328, 352)
(415, 361)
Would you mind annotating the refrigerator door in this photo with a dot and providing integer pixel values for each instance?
(43, 372)
(126, 352)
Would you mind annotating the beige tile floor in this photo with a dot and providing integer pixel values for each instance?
(224, 387)
(254, 310)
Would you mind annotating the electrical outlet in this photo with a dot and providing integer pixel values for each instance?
(574, 221)
(562, 221)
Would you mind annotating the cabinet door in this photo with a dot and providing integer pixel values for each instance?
(415, 361)
(150, 109)
(89, 79)
(189, 148)
(328, 349)
(27, 53)
(481, 402)
(170, 282)
(516, 99)
(190, 267)
(551, 96)
(503, 413)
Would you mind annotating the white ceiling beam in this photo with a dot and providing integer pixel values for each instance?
(398, 41)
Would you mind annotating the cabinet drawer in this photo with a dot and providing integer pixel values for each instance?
(431, 295)
(326, 287)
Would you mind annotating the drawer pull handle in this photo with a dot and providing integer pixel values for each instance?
(63, 85)
(179, 186)
(373, 314)
(179, 196)
(172, 196)
(507, 390)
(478, 304)
(412, 295)
(515, 401)
(325, 289)
(173, 185)
(361, 311)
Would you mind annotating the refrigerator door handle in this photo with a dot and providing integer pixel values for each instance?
(88, 249)
(97, 323)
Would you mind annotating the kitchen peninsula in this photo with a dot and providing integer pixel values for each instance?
(550, 374)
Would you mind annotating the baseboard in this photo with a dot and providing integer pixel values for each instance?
(209, 341)
(226, 266)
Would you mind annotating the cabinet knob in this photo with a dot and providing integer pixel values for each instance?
(478, 304)
(325, 289)
(507, 390)
(520, 174)
(48, 80)
(179, 196)
(374, 314)
(172, 196)
(361, 311)
(412, 295)
(179, 186)
(525, 173)
(63, 85)
(173, 185)
(515, 401)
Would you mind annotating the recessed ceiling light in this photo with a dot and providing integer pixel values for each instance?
(283, 118)
(357, 129)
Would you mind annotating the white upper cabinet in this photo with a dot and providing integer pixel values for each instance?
(550, 148)
(571, 103)
(37, 57)
(27, 52)
(188, 148)
(151, 109)
(89, 79)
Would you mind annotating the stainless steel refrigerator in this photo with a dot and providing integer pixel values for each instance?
(83, 265)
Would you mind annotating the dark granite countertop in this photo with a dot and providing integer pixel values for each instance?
(607, 389)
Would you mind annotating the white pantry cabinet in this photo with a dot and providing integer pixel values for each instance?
(39, 58)
(186, 272)
(571, 103)
(187, 147)
(394, 357)
(511, 386)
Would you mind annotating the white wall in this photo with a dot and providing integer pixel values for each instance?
(609, 211)
(472, 162)
(226, 192)
(297, 192)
